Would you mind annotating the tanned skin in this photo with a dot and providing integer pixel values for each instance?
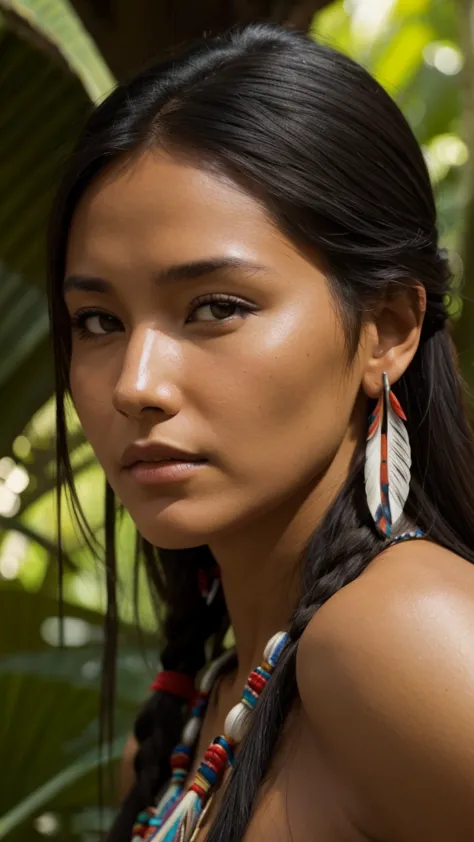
(380, 744)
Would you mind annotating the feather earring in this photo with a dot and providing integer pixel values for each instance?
(387, 462)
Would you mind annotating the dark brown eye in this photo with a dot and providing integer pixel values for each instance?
(220, 309)
(99, 324)
(91, 324)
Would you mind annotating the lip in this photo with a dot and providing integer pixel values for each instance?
(154, 453)
(155, 473)
(153, 462)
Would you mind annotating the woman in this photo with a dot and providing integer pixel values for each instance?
(245, 273)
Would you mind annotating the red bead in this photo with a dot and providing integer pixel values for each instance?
(220, 750)
(217, 755)
(215, 763)
(179, 761)
(212, 765)
(256, 682)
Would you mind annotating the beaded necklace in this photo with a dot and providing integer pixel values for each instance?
(176, 816)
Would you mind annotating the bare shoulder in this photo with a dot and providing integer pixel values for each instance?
(408, 584)
(386, 676)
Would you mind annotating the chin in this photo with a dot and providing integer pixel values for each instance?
(172, 533)
(179, 524)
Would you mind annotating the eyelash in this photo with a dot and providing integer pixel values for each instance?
(79, 319)
(243, 307)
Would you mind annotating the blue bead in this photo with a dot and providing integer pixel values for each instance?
(208, 773)
(278, 650)
(181, 748)
(249, 697)
(221, 741)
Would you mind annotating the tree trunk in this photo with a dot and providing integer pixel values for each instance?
(131, 34)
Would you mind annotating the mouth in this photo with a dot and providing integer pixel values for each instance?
(157, 453)
(169, 461)
(156, 471)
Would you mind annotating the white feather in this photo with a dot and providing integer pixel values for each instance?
(398, 463)
(180, 825)
(372, 470)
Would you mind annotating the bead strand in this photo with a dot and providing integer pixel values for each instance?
(151, 819)
(181, 823)
(177, 814)
(238, 719)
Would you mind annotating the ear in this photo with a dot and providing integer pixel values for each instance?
(390, 337)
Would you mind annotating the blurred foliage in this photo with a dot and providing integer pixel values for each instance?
(50, 71)
(49, 704)
(45, 91)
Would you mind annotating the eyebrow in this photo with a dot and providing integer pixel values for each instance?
(181, 271)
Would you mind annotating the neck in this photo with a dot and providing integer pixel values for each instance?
(261, 565)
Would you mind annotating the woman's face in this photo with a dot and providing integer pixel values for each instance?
(197, 324)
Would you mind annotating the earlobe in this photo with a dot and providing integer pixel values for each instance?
(395, 331)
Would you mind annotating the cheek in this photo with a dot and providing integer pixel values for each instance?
(291, 403)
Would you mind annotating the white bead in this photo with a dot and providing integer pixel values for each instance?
(272, 645)
(237, 722)
(191, 731)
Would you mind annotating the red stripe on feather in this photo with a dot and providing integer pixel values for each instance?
(376, 418)
(397, 407)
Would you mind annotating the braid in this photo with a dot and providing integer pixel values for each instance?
(189, 624)
(338, 551)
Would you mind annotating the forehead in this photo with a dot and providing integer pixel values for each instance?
(157, 202)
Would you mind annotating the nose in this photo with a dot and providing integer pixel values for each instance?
(142, 384)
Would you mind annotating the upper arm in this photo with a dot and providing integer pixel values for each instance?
(386, 677)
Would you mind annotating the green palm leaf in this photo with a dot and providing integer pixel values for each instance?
(55, 27)
(44, 794)
(49, 73)
(49, 709)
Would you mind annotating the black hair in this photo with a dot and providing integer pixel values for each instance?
(317, 140)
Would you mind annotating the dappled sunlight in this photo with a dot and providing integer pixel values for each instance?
(414, 50)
